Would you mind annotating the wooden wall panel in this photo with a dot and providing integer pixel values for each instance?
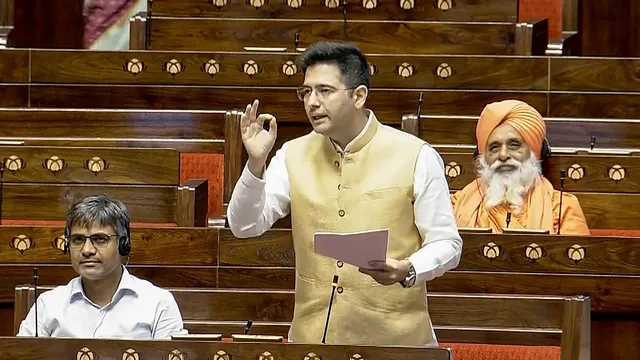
(14, 66)
(574, 74)
(14, 95)
(594, 105)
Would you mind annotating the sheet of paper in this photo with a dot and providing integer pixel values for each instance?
(357, 249)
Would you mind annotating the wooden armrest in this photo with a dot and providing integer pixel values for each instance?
(532, 37)
(193, 203)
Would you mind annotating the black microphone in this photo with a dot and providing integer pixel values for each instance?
(333, 291)
(508, 218)
(35, 291)
(593, 142)
(563, 177)
(420, 99)
(296, 42)
(344, 17)
(248, 327)
(2, 168)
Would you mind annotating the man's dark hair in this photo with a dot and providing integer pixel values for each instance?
(100, 209)
(354, 69)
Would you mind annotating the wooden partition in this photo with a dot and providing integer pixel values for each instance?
(464, 10)
(562, 133)
(451, 85)
(385, 36)
(457, 318)
(87, 349)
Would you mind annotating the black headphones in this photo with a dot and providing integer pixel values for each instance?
(124, 242)
(544, 153)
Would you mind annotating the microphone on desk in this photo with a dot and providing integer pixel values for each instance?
(420, 100)
(296, 41)
(35, 291)
(248, 327)
(593, 142)
(334, 285)
(563, 177)
(2, 168)
(508, 218)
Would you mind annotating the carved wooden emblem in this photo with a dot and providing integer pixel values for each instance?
(491, 250)
(219, 3)
(576, 253)
(369, 4)
(173, 67)
(453, 170)
(134, 66)
(14, 163)
(372, 69)
(576, 172)
(617, 173)
(257, 3)
(312, 356)
(175, 355)
(405, 70)
(266, 356)
(294, 4)
(54, 164)
(22, 243)
(331, 4)
(58, 243)
(221, 355)
(251, 68)
(534, 252)
(444, 5)
(407, 4)
(211, 67)
(444, 70)
(289, 68)
(85, 354)
(356, 357)
(96, 165)
(130, 354)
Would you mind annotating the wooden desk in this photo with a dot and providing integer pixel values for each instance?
(81, 349)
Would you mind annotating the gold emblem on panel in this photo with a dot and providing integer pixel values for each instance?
(405, 70)
(173, 67)
(85, 354)
(576, 172)
(211, 67)
(96, 165)
(407, 4)
(14, 163)
(534, 252)
(134, 66)
(54, 164)
(289, 68)
(617, 173)
(576, 253)
(251, 68)
(444, 70)
(491, 250)
(453, 170)
(22, 243)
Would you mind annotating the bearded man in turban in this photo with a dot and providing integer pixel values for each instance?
(510, 136)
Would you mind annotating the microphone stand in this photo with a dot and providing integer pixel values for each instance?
(508, 219)
(248, 327)
(593, 142)
(333, 291)
(344, 17)
(563, 177)
(35, 303)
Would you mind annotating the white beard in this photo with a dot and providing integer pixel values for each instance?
(508, 187)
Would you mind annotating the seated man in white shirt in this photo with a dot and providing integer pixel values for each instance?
(105, 301)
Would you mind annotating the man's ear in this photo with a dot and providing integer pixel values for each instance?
(360, 95)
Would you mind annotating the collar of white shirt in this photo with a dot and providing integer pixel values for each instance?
(347, 149)
(127, 285)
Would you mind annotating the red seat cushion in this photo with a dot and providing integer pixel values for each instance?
(502, 352)
(205, 166)
(615, 232)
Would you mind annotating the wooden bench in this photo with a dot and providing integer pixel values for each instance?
(441, 130)
(457, 318)
(42, 183)
(386, 36)
(462, 10)
(452, 85)
(208, 141)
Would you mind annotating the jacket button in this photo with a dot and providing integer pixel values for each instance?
(341, 213)
(340, 289)
(340, 264)
(336, 163)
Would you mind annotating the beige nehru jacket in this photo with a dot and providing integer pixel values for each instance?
(370, 188)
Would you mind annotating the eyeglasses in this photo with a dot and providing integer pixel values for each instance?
(99, 241)
(322, 92)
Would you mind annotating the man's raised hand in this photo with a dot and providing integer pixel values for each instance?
(257, 141)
